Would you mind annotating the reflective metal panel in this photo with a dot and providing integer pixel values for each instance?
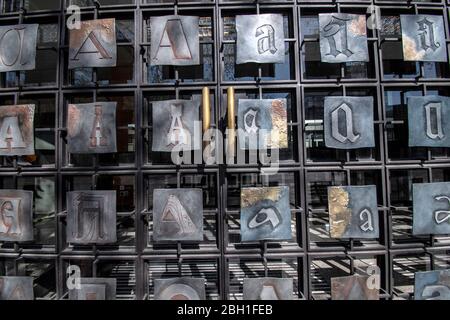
(353, 288)
(429, 121)
(93, 45)
(91, 217)
(16, 215)
(174, 40)
(268, 289)
(353, 212)
(265, 214)
(260, 38)
(432, 285)
(180, 289)
(176, 125)
(343, 38)
(423, 38)
(16, 130)
(177, 215)
(16, 288)
(95, 289)
(431, 208)
(18, 47)
(262, 123)
(91, 128)
(348, 122)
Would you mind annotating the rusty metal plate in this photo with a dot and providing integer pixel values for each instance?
(265, 214)
(91, 217)
(343, 38)
(177, 215)
(18, 47)
(429, 121)
(174, 40)
(353, 212)
(16, 288)
(93, 45)
(431, 208)
(260, 39)
(180, 289)
(268, 289)
(353, 288)
(16, 215)
(262, 124)
(17, 130)
(95, 289)
(423, 38)
(91, 128)
(348, 122)
(176, 125)
(432, 285)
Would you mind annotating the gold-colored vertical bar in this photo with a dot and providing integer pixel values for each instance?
(206, 105)
(231, 121)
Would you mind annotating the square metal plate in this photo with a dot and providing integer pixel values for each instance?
(18, 47)
(16, 288)
(432, 285)
(268, 289)
(17, 130)
(180, 289)
(352, 288)
(104, 288)
(16, 215)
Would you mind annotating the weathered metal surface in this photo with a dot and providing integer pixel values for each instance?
(91, 128)
(174, 40)
(16, 288)
(93, 45)
(348, 122)
(177, 215)
(353, 212)
(260, 39)
(268, 289)
(95, 289)
(429, 121)
(18, 47)
(423, 38)
(175, 127)
(16, 130)
(262, 124)
(265, 214)
(431, 208)
(91, 217)
(16, 215)
(432, 285)
(180, 289)
(343, 38)
(353, 288)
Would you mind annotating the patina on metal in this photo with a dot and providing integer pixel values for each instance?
(260, 39)
(17, 130)
(16, 215)
(265, 214)
(174, 40)
(353, 288)
(343, 38)
(177, 215)
(95, 289)
(91, 217)
(18, 47)
(348, 122)
(431, 208)
(423, 38)
(429, 121)
(180, 289)
(263, 124)
(432, 285)
(91, 128)
(353, 212)
(93, 45)
(16, 288)
(268, 289)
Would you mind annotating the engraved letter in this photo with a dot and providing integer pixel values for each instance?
(177, 135)
(433, 111)
(427, 39)
(444, 213)
(336, 33)
(349, 135)
(10, 134)
(98, 139)
(174, 38)
(266, 43)
(250, 121)
(92, 46)
(12, 52)
(367, 225)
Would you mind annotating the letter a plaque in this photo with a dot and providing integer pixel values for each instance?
(18, 47)
(16, 130)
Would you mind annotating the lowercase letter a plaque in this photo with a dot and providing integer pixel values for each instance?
(16, 215)
(93, 45)
(265, 214)
(353, 288)
(16, 288)
(174, 41)
(91, 128)
(16, 130)
(432, 285)
(260, 38)
(180, 289)
(423, 38)
(91, 217)
(343, 38)
(18, 47)
(268, 289)
(95, 289)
